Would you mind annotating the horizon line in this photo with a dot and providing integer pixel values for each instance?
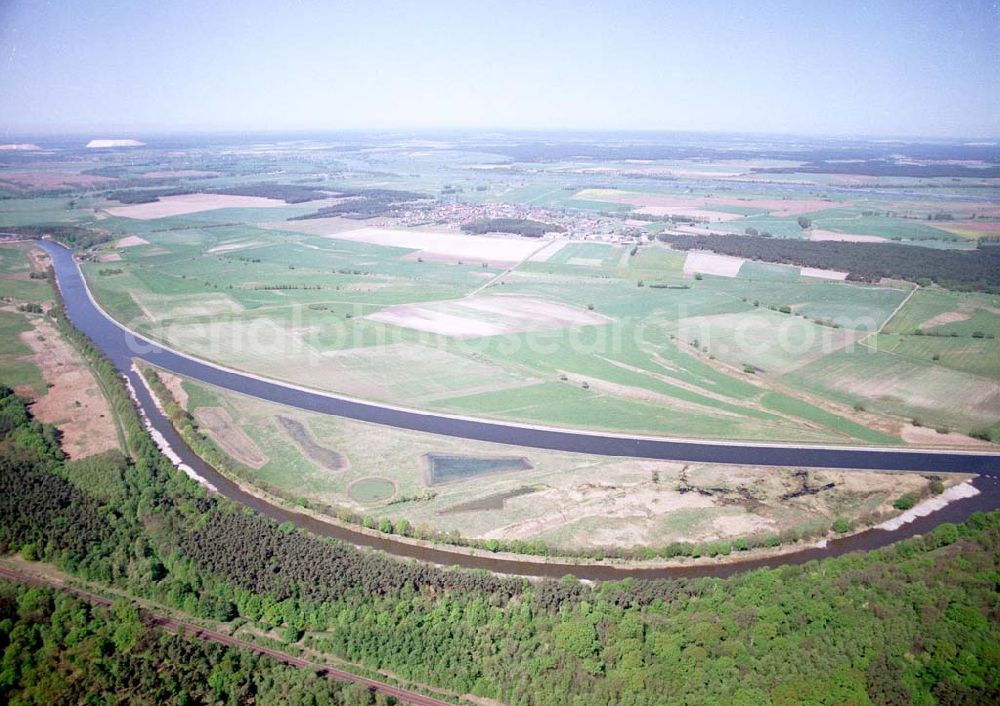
(155, 131)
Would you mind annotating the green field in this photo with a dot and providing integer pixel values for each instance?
(250, 289)
(15, 371)
(885, 227)
(293, 306)
(16, 290)
(939, 311)
(572, 501)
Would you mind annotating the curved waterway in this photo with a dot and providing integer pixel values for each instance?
(122, 346)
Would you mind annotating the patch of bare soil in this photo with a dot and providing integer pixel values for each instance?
(486, 315)
(640, 394)
(168, 173)
(926, 436)
(216, 422)
(190, 203)
(174, 384)
(869, 419)
(947, 317)
(303, 438)
(830, 235)
(44, 180)
(40, 261)
(131, 241)
(74, 402)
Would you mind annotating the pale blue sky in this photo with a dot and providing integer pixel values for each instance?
(911, 67)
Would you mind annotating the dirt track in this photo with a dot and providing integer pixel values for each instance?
(191, 630)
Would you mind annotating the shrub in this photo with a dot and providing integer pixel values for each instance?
(841, 525)
(904, 502)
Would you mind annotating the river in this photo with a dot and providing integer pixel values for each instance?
(122, 346)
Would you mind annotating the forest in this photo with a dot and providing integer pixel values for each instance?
(964, 270)
(886, 168)
(60, 649)
(517, 226)
(289, 193)
(912, 623)
(70, 236)
(361, 204)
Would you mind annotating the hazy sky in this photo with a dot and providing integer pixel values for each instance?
(910, 67)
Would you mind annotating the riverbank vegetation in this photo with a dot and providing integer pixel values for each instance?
(683, 502)
(909, 623)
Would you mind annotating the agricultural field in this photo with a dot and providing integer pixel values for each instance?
(569, 339)
(599, 326)
(40, 365)
(490, 491)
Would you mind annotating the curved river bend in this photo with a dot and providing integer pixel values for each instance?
(122, 346)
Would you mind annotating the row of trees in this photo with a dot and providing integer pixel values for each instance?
(289, 193)
(366, 203)
(518, 226)
(956, 269)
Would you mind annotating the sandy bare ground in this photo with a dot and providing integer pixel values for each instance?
(167, 173)
(41, 180)
(969, 229)
(777, 207)
(710, 263)
(549, 250)
(174, 384)
(925, 436)
(487, 315)
(622, 507)
(230, 247)
(216, 422)
(325, 226)
(109, 257)
(956, 492)
(131, 241)
(74, 402)
(632, 506)
(844, 237)
(688, 212)
(819, 273)
(103, 142)
(469, 248)
(639, 394)
(190, 203)
(40, 260)
(947, 317)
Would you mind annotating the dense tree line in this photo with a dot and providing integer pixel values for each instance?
(518, 226)
(289, 193)
(71, 236)
(365, 203)
(869, 262)
(137, 196)
(59, 649)
(886, 168)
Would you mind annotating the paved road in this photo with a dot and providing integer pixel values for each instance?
(122, 345)
(200, 633)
